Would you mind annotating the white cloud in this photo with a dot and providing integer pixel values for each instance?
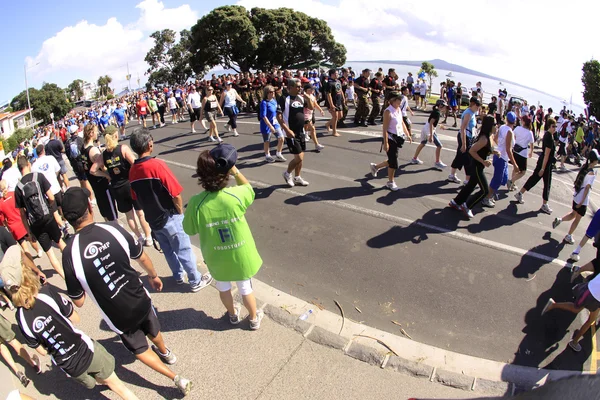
(87, 51)
(525, 42)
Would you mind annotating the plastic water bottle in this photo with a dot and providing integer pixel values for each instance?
(305, 316)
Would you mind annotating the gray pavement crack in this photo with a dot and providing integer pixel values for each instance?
(286, 362)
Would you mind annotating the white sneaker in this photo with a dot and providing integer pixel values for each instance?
(519, 197)
(269, 159)
(374, 170)
(227, 128)
(453, 178)
(219, 140)
(280, 157)
(319, 147)
(416, 161)
(569, 239)
(487, 202)
(574, 256)
(235, 134)
(466, 210)
(184, 385)
(556, 222)
(392, 186)
(94, 202)
(193, 131)
(299, 181)
(148, 242)
(212, 139)
(162, 125)
(173, 122)
(440, 165)
(546, 209)
(255, 323)
(287, 177)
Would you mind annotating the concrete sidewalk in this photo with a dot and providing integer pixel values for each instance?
(223, 361)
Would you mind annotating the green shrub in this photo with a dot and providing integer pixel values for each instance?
(22, 134)
(110, 96)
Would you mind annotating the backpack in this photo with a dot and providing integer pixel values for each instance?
(35, 202)
(74, 150)
(563, 130)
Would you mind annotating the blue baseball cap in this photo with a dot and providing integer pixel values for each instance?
(511, 117)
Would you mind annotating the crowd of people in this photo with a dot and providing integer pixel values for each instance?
(39, 209)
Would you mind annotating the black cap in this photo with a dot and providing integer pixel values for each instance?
(225, 156)
(475, 100)
(75, 203)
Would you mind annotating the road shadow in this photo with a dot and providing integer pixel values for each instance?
(173, 137)
(417, 190)
(366, 140)
(418, 231)
(502, 218)
(528, 265)
(336, 194)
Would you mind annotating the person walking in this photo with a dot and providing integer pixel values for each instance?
(465, 139)
(194, 107)
(210, 107)
(309, 116)
(154, 185)
(269, 126)
(56, 149)
(428, 135)
(10, 216)
(290, 115)
(173, 107)
(217, 216)
(74, 150)
(361, 88)
(543, 169)
(581, 197)
(334, 100)
(394, 136)
(97, 265)
(228, 104)
(522, 150)
(479, 152)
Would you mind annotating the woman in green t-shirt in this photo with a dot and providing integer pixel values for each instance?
(217, 216)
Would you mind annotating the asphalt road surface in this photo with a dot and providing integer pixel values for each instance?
(475, 287)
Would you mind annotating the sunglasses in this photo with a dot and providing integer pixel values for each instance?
(271, 91)
(299, 86)
(552, 126)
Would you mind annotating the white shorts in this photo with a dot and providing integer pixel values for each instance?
(244, 287)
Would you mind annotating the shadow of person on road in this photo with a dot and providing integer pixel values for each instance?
(417, 190)
(502, 218)
(530, 265)
(418, 231)
(336, 194)
(366, 140)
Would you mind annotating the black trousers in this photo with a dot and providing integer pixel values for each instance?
(477, 178)
(462, 159)
(161, 112)
(535, 178)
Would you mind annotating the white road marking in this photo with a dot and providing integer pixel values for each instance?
(406, 222)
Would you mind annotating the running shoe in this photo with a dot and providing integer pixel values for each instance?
(219, 140)
(563, 169)
(255, 323)
(546, 209)
(38, 364)
(392, 186)
(547, 306)
(569, 239)
(269, 159)
(184, 385)
(487, 202)
(454, 205)
(374, 170)
(319, 147)
(574, 256)
(509, 185)
(440, 165)
(280, 157)
(416, 161)
(235, 318)
(24, 380)
(468, 213)
(227, 128)
(168, 358)
(519, 197)
(299, 181)
(454, 125)
(287, 177)
(235, 134)
(453, 178)
(204, 282)
(193, 131)
(575, 346)
(148, 242)
(556, 222)
(575, 272)
(212, 139)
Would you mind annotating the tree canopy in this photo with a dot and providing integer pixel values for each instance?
(103, 85)
(75, 89)
(262, 39)
(49, 99)
(169, 59)
(591, 85)
(429, 70)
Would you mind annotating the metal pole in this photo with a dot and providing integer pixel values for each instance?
(129, 76)
(27, 90)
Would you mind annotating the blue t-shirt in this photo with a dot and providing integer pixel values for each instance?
(119, 114)
(472, 122)
(268, 109)
(451, 97)
(590, 137)
(104, 120)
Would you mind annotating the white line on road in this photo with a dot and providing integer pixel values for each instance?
(407, 222)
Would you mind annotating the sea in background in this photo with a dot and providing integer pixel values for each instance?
(490, 86)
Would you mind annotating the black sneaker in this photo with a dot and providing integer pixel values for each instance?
(24, 380)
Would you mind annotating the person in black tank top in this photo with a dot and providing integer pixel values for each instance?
(97, 177)
(479, 153)
(210, 106)
(117, 159)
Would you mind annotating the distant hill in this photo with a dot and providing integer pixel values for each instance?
(441, 64)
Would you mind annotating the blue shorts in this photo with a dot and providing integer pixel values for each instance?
(500, 177)
(120, 124)
(594, 227)
(278, 134)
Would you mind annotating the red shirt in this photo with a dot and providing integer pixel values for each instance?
(12, 215)
(63, 134)
(142, 107)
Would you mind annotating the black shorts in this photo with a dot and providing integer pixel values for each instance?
(584, 298)
(581, 210)
(180, 103)
(135, 340)
(407, 123)
(104, 199)
(296, 145)
(124, 199)
(142, 117)
(392, 154)
(78, 170)
(46, 231)
(210, 116)
(562, 149)
(521, 161)
(195, 114)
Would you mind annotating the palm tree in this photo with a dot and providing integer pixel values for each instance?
(103, 84)
(108, 81)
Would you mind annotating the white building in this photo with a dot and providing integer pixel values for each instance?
(8, 120)
(89, 90)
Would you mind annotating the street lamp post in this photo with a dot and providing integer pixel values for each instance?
(27, 90)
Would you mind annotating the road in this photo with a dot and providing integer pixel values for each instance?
(475, 287)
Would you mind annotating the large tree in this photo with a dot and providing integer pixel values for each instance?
(591, 85)
(75, 89)
(169, 59)
(429, 69)
(103, 85)
(262, 39)
(49, 99)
